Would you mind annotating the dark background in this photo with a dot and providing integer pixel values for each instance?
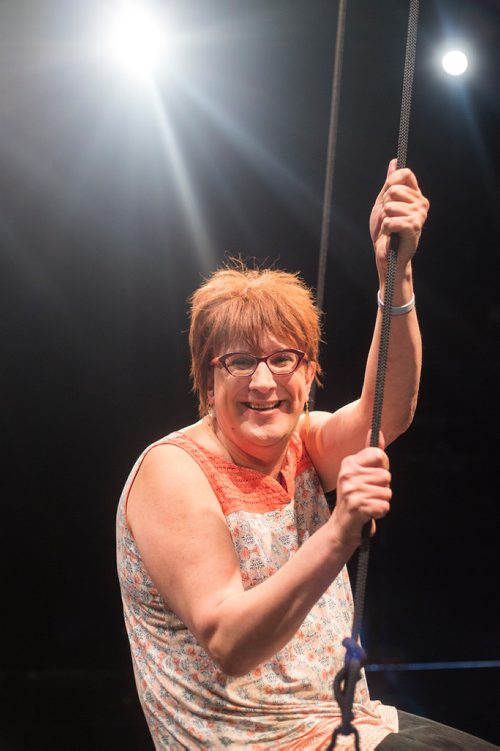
(114, 201)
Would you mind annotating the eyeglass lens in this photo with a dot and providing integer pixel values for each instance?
(279, 363)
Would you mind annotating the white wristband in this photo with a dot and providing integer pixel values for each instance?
(397, 310)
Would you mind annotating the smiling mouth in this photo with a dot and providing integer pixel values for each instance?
(263, 407)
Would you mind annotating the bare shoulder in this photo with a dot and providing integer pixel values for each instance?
(166, 461)
(169, 481)
(172, 513)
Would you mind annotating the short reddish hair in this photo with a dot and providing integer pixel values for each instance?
(239, 304)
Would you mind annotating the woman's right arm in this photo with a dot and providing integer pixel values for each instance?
(187, 549)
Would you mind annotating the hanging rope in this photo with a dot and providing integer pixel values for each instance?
(330, 161)
(346, 679)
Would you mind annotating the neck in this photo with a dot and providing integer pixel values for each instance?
(268, 459)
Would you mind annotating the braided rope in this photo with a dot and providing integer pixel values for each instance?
(346, 679)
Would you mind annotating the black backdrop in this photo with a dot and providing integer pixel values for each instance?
(115, 200)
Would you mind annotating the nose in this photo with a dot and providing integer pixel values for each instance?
(262, 379)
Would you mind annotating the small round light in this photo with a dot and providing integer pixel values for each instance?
(455, 63)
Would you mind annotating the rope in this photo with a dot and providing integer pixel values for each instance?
(330, 161)
(330, 156)
(345, 681)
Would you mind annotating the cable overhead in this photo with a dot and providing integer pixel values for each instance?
(330, 160)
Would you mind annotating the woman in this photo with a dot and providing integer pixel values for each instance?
(232, 570)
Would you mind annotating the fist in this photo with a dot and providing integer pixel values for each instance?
(400, 208)
(363, 493)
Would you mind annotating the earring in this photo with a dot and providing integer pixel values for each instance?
(307, 418)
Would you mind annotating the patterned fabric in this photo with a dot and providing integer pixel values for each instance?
(284, 703)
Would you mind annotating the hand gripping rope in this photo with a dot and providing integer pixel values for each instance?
(345, 681)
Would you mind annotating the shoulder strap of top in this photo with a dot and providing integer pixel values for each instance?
(239, 488)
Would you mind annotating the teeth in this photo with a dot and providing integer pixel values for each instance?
(263, 407)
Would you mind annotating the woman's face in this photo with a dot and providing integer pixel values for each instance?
(257, 414)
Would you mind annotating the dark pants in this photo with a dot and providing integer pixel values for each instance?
(416, 734)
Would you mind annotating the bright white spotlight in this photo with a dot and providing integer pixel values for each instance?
(455, 63)
(136, 40)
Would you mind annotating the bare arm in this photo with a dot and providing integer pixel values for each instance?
(400, 207)
(187, 549)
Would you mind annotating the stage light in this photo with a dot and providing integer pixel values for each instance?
(137, 39)
(455, 63)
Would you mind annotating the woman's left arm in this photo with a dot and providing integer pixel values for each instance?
(399, 208)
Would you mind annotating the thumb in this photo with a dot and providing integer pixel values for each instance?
(381, 439)
(393, 165)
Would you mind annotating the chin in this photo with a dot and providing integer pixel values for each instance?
(269, 435)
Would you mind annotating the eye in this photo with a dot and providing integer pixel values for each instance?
(285, 360)
(240, 362)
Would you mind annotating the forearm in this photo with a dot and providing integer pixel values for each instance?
(252, 626)
(403, 362)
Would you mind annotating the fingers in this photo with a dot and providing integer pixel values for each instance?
(397, 176)
(404, 226)
(366, 473)
(401, 197)
(403, 176)
(371, 456)
(402, 193)
(363, 493)
(400, 207)
(364, 483)
(404, 210)
(407, 227)
(374, 508)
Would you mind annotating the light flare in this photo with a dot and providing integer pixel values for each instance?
(137, 39)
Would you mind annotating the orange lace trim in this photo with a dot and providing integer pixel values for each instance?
(242, 489)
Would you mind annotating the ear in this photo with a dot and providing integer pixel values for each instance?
(210, 387)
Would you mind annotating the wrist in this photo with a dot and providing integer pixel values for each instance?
(403, 274)
(342, 539)
(403, 288)
(397, 310)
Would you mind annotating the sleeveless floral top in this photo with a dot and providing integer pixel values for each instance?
(285, 703)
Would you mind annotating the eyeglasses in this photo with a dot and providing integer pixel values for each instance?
(242, 364)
